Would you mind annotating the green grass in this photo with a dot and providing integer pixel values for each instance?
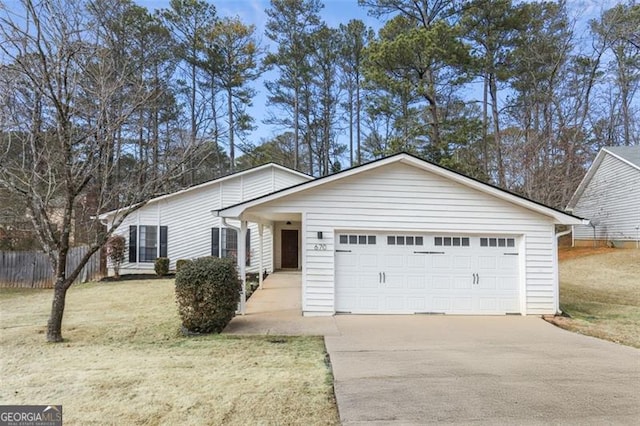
(124, 362)
(601, 294)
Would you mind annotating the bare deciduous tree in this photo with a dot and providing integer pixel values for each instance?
(59, 118)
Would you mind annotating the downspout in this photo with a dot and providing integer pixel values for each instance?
(557, 266)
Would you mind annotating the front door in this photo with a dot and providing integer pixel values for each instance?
(289, 249)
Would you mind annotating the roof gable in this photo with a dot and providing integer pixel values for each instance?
(557, 215)
(213, 182)
(629, 155)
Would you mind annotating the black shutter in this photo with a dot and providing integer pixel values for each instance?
(248, 247)
(215, 242)
(133, 243)
(163, 241)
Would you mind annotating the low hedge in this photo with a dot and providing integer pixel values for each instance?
(161, 266)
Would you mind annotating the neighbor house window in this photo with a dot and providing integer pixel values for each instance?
(147, 243)
(224, 243)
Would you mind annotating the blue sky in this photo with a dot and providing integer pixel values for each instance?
(334, 13)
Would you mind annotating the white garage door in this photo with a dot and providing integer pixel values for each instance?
(424, 273)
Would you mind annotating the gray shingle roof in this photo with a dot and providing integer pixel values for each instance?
(629, 153)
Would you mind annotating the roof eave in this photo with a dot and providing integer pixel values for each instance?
(210, 183)
(558, 217)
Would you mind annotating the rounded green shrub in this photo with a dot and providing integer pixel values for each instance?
(207, 294)
(161, 266)
(182, 263)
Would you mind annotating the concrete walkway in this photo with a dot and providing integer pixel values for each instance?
(479, 370)
(276, 309)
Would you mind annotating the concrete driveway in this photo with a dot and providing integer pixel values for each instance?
(479, 370)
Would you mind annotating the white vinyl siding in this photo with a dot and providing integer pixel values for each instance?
(403, 199)
(611, 200)
(189, 219)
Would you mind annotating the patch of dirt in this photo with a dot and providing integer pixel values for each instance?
(566, 253)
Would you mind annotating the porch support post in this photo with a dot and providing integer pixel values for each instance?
(272, 232)
(242, 265)
(260, 233)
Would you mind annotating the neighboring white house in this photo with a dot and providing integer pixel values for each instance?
(401, 235)
(609, 196)
(181, 225)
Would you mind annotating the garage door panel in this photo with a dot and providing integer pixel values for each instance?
(346, 261)
(345, 302)
(508, 263)
(448, 274)
(416, 282)
(349, 280)
(368, 260)
(441, 304)
(463, 283)
(441, 282)
(487, 263)
(462, 304)
(488, 304)
(394, 303)
(510, 305)
(441, 262)
(462, 262)
(393, 281)
(368, 281)
(508, 283)
(394, 261)
(417, 304)
(416, 261)
(486, 282)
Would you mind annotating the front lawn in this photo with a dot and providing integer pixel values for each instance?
(124, 362)
(600, 291)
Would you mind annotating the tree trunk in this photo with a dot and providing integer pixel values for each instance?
(433, 109)
(232, 154)
(359, 156)
(351, 126)
(54, 326)
(485, 125)
(296, 129)
(156, 125)
(493, 89)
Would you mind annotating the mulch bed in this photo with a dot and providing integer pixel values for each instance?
(132, 277)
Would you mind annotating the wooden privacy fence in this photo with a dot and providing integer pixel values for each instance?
(31, 269)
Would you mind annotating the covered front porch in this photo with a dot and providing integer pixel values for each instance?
(275, 309)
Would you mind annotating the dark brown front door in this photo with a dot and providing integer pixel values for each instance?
(290, 248)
